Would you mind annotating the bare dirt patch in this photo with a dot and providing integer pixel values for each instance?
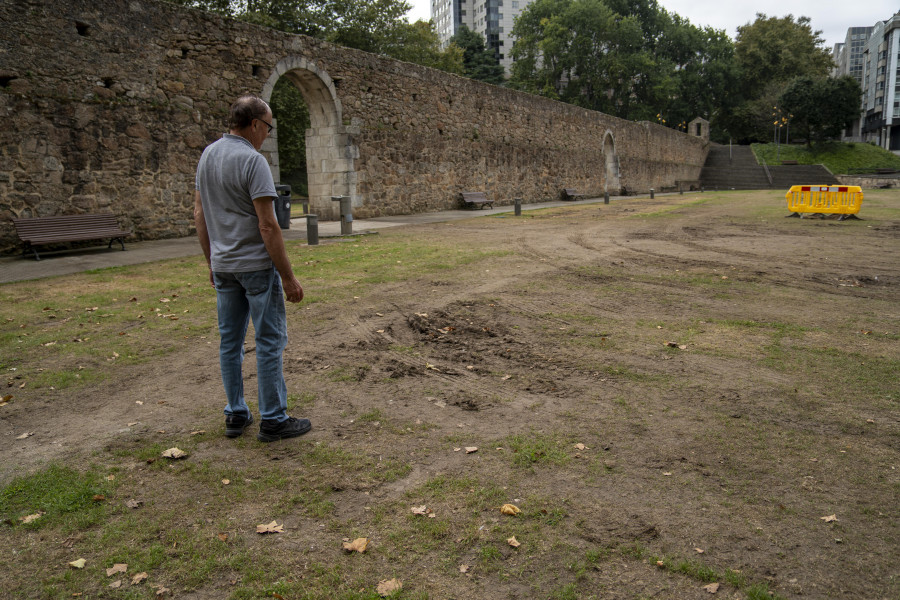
(675, 392)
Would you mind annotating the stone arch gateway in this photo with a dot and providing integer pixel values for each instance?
(109, 103)
(330, 152)
(611, 181)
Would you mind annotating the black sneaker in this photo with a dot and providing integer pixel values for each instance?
(236, 424)
(271, 430)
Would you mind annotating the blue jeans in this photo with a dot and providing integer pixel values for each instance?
(240, 297)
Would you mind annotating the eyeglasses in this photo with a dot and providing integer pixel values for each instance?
(269, 125)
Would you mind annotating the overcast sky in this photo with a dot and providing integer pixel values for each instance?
(833, 17)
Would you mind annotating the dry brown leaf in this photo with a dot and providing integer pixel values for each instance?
(580, 446)
(388, 587)
(30, 518)
(110, 477)
(27, 434)
(513, 542)
(117, 568)
(78, 564)
(463, 568)
(223, 537)
(139, 578)
(174, 453)
(133, 503)
(99, 498)
(471, 449)
(660, 563)
(711, 588)
(829, 518)
(699, 550)
(357, 545)
(272, 527)
(161, 590)
(198, 431)
(420, 510)
(116, 584)
(226, 481)
(510, 509)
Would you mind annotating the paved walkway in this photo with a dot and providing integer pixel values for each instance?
(18, 268)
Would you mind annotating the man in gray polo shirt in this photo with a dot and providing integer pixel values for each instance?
(248, 266)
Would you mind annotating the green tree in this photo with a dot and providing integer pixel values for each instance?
(478, 62)
(376, 26)
(770, 52)
(291, 111)
(821, 108)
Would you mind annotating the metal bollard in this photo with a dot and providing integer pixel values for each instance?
(305, 204)
(681, 190)
(651, 193)
(517, 203)
(606, 197)
(312, 230)
(346, 214)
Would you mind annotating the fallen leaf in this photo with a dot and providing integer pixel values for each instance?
(174, 453)
(711, 588)
(133, 503)
(510, 509)
(272, 527)
(419, 510)
(581, 447)
(110, 477)
(699, 550)
(463, 568)
(223, 537)
(198, 431)
(513, 542)
(829, 518)
(99, 498)
(388, 587)
(357, 545)
(162, 591)
(25, 435)
(116, 584)
(226, 481)
(117, 568)
(506, 377)
(660, 563)
(78, 564)
(457, 449)
(471, 449)
(30, 518)
(667, 473)
(139, 578)
(138, 402)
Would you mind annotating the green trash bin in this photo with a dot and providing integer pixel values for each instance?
(283, 206)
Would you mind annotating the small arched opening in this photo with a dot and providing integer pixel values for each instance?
(611, 181)
(330, 152)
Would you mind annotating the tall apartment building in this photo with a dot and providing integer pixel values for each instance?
(848, 59)
(493, 19)
(880, 116)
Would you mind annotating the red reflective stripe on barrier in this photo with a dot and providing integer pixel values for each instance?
(805, 188)
(843, 189)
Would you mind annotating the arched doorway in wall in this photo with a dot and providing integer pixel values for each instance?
(612, 184)
(329, 152)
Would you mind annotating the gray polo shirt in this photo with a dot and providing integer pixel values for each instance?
(231, 174)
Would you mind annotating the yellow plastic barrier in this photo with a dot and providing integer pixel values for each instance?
(844, 200)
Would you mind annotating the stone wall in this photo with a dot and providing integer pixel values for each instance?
(107, 105)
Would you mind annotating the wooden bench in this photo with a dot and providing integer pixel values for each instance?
(571, 194)
(40, 231)
(473, 199)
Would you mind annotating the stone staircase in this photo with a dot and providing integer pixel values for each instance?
(735, 167)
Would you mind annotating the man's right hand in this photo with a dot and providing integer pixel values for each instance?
(292, 290)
